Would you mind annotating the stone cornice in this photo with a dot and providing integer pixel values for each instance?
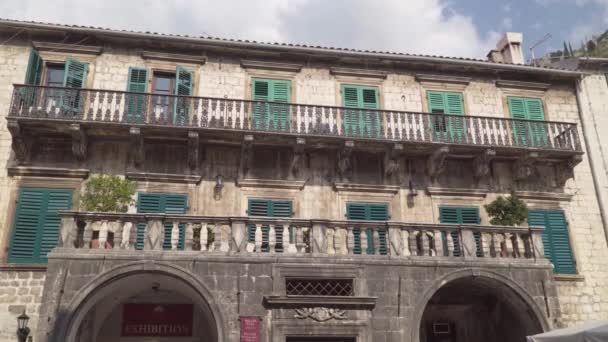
(460, 192)
(68, 48)
(270, 183)
(36, 171)
(443, 79)
(291, 67)
(523, 85)
(545, 196)
(352, 303)
(358, 72)
(174, 57)
(391, 189)
(163, 177)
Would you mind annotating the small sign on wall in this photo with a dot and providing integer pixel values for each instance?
(158, 320)
(250, 328)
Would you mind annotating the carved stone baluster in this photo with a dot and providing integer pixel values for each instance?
(174, 235)
(272, 238)
(218, 237)
(126, 241)
(87, 234)
(350, 240)
(450, 244)
(426, 250)
(509, 244)
(520, 246)
(285, 238)
(341, 241)
(331, 235)
(188, 237)
(301, 245)
(102, 236)
(497, 239)
(363, 240)
(292, 247)
(258, 238)
(438, 244)
(376, 237)
(204, 237)
(486, 244)
(405, 242)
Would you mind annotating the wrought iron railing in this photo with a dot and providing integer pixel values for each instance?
(271, 236)
(94, 105)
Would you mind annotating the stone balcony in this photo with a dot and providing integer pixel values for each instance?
(80, 113)
(214, 236)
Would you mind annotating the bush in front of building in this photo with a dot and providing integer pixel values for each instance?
(107, 193)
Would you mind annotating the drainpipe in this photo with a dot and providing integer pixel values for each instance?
(598, 193)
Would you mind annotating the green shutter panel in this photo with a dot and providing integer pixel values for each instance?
(471, 216)
(356, 211)
(517, 108)
(184, 84)
(457, 215)
(261, 92)
(351, 99)
(174, 204)
(447, 128)
(146, 203)
(372, 212)
(378, 212)
(33, 76)
(137, 82)
(534, 109)
(75, 76)
(37, 223)
(372, 120)
(456, 125)
(556, 239)
(281, 92)
(436, 102)
(269, 208)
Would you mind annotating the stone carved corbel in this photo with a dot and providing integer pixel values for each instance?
(137, 146)
(193, 150)
(79, 141)
(22, 146)
(246, 156)
(297, 159)
(525, 166)
(344, 166)
(482, 163)
(565, 170)
(436, 162)
(392, 163)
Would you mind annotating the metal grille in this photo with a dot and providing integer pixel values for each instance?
(319, 287)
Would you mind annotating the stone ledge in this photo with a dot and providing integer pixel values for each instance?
(352, 303)
(569, 277)
(358, 72)
(434, 191)
(69, 48)
(163, 177)
(10, 267)
(291, 67)
(270, 183)
(547, 196)
(391, 189)
(174, 57)
(36, 171)
(523, 85)
(443, 79)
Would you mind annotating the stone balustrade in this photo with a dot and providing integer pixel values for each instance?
(272, 236)
(205, 113)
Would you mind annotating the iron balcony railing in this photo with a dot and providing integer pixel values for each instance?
(95, 105)
(109, 232)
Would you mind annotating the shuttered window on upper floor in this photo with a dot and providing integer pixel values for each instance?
(459, 215)
(263, 207)
(531, 132)
(447, 128)
(37, 223)
(556, 239)
(363, 122)
(370, 212)
(162, 203)
(271, 116)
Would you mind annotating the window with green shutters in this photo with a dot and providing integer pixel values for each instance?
(459, 215)
(556, 238)
(75, 76)
(269, 208)
(183, 86)
(161, 203)
(33, 76)
(271, 116)
(370, 212)
(138, 83)
(37, 223)
(364, 122)
(533, 132)
(447, 128)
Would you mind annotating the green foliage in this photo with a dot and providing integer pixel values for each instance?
(508, 211)
(105, 193)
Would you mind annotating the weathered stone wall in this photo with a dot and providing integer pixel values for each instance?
(19, 291)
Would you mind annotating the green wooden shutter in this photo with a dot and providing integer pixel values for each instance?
(33, 76)
(271, 116)
(184, 84)
(363, 123)
(260, 92)
(556, 239)
(372, 212)
(75, 76)
(460, 215)
(137, 82)
(535, 112)
(527, 133)
(37, 224)
(162, 203)
(447, 128)
(269, 208)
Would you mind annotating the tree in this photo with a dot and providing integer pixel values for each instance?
(508, 211)
(106, 193)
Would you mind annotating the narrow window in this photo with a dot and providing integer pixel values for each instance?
(269, 208)
(556, 239)
(530, 129)
(459, 215)
(369, 212)
(364, 122)
(271, 114)
(162, 203)
(447, 128)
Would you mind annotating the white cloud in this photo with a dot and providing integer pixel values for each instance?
(416, 26)
(507, 23)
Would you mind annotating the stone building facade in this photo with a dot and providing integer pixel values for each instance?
(387, 237)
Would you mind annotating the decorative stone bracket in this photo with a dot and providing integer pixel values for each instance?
(246, 156)
(193, 150)
(297, 159)
(320, 314)
(391, 160)
(565, 170)
(137, 146)
(482, 163)
(525, 166)
(21, 144)
(79, 141)
(436, 162)
(345, 164)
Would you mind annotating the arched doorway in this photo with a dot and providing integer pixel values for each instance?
(144, 306)
(476, 309)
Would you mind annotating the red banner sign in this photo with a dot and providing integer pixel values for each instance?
(159, 320)
(250, 329)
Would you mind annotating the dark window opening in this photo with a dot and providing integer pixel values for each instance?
(319, 287)
(163, 86)
(55, 74)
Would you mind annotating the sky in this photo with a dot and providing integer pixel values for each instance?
(461, 28)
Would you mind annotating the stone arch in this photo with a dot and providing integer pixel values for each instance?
(87, 298)
(511, 285)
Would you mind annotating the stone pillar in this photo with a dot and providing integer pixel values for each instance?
(538, 249)
(239, 236)
(394, 240)
(154, 235)
(68, 232)
(318, 237)
(468, 243)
